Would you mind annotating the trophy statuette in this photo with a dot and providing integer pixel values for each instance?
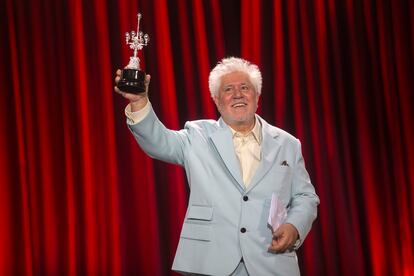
(132, 78)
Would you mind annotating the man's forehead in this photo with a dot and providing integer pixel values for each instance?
(236, 83)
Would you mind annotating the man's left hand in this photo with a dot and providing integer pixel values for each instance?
(284, 238)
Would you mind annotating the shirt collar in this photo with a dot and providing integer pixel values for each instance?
(256, 131)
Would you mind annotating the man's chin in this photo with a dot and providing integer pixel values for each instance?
(239, 121)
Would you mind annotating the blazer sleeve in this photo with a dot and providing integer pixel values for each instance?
(158, 141)
(304, 201)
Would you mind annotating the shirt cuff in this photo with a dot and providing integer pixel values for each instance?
(137, 116)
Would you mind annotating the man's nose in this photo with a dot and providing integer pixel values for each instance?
(237, 92)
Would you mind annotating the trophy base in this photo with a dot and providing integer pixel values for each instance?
(132, 81)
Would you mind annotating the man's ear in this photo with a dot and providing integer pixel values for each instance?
(215, 99)
(258, 99)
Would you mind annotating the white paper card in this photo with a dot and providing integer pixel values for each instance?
(277, 213)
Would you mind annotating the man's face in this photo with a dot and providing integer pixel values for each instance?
(237, 100)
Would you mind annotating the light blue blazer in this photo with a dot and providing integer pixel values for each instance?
(212, 241)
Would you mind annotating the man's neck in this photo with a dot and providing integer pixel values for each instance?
(243, 128)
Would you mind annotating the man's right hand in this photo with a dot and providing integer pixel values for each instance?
(137, 101)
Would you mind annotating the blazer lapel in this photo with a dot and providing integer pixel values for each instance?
(270, 149)
(223, 142)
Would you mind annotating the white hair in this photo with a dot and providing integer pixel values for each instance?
(230, 65)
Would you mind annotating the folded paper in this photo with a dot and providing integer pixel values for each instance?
(277, 213)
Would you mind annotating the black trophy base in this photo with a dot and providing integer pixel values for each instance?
(132, 81)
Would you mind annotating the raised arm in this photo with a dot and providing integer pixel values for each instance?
(153, 137)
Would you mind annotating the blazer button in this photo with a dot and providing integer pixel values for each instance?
(243, 230)
(245, 198)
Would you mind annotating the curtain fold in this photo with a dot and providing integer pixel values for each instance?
(78, 196)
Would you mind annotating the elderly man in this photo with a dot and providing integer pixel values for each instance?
(239, 169)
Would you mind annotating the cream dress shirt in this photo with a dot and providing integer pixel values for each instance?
(248, 151)
(247, 146)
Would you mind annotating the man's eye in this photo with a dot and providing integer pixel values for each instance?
(245, 87)
(228, 89)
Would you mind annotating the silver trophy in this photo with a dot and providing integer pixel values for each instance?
(132, 78)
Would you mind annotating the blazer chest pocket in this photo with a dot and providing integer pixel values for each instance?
(283, 169)
(197, 225)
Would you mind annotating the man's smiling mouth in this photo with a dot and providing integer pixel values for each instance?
(238, 105)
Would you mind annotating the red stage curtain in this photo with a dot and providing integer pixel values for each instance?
(77, 195)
